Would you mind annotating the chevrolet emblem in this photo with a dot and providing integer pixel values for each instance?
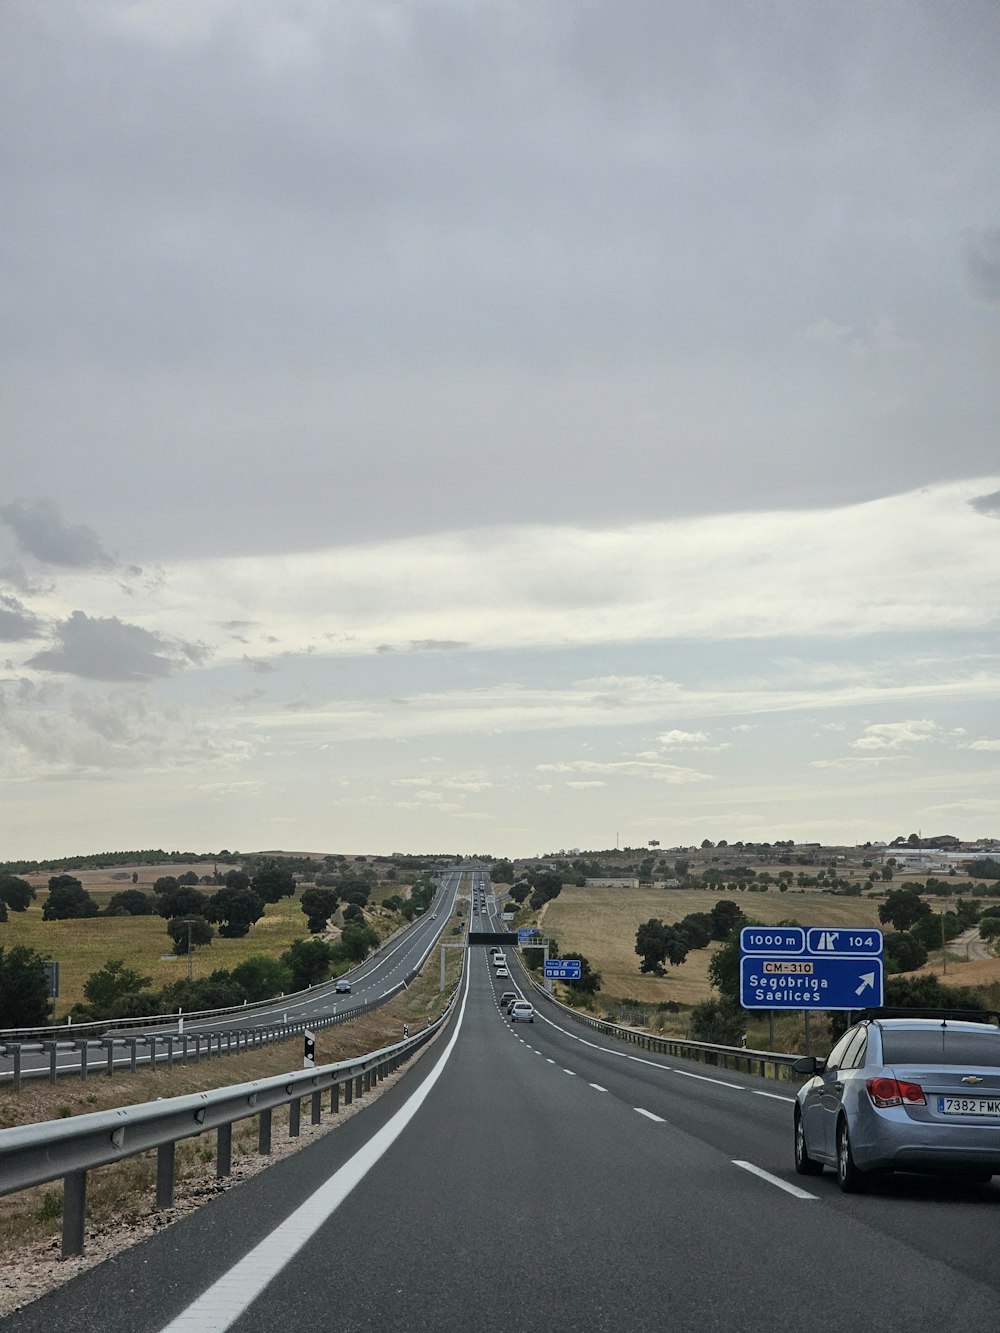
(973, 1078)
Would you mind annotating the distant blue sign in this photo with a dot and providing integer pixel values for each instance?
(563, 969)
(526, 934)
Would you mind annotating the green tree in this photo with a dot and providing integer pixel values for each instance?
(214, 992)
(109, 983)
(308, 962)
(719, 1021)
(182, 901)
(927, 992)
(272, 881)
(319, 905)
(519, 892)
(236, 879)
(903, 907)
(657, 944)
(724, 969)
(261, 976)
(986, 868)
(189, 877)
(131, 902)
(933, 929)
(201, 933)
(903, 952)
(68, 900)
(502, 872)
(726, 917)
(165, 884)
(357, 941)
(24, 990)
(16, 893)
(236, 910)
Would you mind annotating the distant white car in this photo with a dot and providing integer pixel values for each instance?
(521, 1012)
(502, 972)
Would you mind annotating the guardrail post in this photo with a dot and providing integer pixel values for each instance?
(82, 1048)
(151, 1041)
(264, 1132)
(348, 1091)
(317, 1107)
(229, 1042)
(224, 1151)
(130, 1043)
(74, 1213)
(15, 1048)
(294, 1114)
(170, 1052)
(335, 1098)
(184, 1048)
(197, 1047)
(165, 1175)
(359, 1086)
(50, 1046)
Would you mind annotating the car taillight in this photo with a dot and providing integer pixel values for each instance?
(893, 1092)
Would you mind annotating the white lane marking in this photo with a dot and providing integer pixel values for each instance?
(549, 1060)
(703, 1078)
(775, 1180)
(775, 1096)
(225, 1300)
(649, 1115)
(598, 1087)
(570, 1071)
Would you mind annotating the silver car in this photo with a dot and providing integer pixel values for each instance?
(902, 1094)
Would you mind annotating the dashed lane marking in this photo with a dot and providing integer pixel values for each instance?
(793, 1190)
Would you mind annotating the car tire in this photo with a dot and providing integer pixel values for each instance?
(804, 1164)
(850, 1178)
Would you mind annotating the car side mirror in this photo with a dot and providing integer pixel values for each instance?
(808, 1064)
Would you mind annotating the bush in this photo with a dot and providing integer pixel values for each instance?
(718, 1021)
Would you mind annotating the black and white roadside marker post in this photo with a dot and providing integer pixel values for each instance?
(309, 1050)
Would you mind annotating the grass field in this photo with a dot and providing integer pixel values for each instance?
(81, 947)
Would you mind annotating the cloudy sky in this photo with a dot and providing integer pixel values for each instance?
(498, 425)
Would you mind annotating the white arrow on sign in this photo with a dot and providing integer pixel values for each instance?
(867, 979)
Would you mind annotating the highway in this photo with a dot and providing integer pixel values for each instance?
(381, 973)
(542, 1177)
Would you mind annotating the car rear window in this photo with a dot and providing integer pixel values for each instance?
(942, 1046)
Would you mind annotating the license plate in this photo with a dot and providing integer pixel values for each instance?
(969, 1106)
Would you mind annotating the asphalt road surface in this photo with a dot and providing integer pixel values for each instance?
(544, 1177)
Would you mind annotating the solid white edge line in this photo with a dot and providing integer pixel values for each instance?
(704, 1078)
(649, 1115)
(775, 1096)
(775, 1180)
(217, 1308)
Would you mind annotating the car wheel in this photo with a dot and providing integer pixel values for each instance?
(804, 1164)
(850, 1179)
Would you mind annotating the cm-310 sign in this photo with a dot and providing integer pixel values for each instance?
(789, 967)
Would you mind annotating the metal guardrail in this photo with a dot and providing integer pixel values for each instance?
(764, 1064)
(74, 1031)
(173, 1044)
(168, 1047)
(35, 1154)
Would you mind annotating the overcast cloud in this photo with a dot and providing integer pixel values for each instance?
(568, 401)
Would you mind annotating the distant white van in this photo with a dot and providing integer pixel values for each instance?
(499, 959)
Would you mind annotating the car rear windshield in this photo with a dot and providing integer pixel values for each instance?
(942, 1046)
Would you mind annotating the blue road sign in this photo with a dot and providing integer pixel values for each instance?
(823, 941)
(810, 983)
(563, 969)
(789, 967)
(527, 933)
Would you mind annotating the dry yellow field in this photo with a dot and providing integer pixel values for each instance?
(601, 923)
(81, 947)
